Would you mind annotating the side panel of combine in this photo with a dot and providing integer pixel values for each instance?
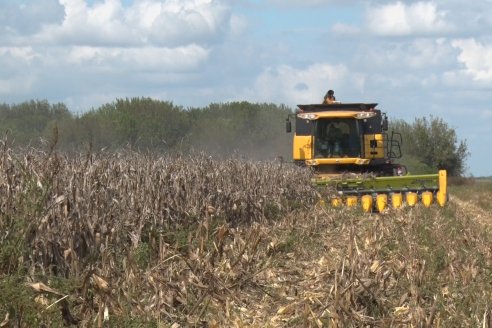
(303, 147)
(303, 140)
(374, 146)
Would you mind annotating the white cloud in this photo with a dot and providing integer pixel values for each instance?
(178, 21)
(168, 23)
(19, 18)
(160, 59)
(401, 19)
(73, 69)
(476, 59)
(415, 54)
(150, 40)
(238, 24)
(24, 54)
(340, 28)
(19, 83)
(289, 85)
(301, 3)
(427, 53)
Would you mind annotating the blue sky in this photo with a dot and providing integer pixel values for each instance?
(415, 58)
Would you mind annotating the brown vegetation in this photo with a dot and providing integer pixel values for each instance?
(137, 240)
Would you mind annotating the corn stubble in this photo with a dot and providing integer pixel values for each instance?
(134, 239)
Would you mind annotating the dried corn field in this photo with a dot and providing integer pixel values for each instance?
(135, 240)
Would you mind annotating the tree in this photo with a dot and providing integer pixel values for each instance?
(143, 123)
(30, 121)
(252, 130)
(430, 144)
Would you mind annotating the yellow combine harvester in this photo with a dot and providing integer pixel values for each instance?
(349, 147)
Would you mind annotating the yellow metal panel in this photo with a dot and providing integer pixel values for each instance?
(374, 145)
(443, 188)
(441, 199)
(366, 202)
(412, 198)
(381, 202)
(336, 202)
(339, 160)
(303, 147)
(443, 181)
(396, 200)
(351, 201)
(427, 198)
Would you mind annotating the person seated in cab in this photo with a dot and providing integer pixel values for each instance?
(334, 137)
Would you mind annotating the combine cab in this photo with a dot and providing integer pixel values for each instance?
(349, 148)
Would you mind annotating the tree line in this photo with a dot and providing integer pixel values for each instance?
(429, 143)
(253, 130)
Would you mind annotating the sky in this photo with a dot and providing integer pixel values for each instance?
(414, 58)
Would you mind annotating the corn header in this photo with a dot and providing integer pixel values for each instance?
(350, 149)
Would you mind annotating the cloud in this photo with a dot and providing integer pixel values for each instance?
(238, 25)
(476, 59)
(288, 85)
(143, 58)
(16, 54)
(74, 70)
(168, 23)
(400, 19)
(178, 21)
(19, 18)
(302, 3)
(419, 54)
(151, 41)
(345, 29)
(19, 83)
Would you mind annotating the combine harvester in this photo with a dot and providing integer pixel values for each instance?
(349, 148)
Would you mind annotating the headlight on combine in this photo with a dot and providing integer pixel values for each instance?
(363, 115)
(307, 116)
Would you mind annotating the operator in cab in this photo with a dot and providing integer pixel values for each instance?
(334, 138)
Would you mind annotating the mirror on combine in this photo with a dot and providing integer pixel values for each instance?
(384, 125)
(288, 126)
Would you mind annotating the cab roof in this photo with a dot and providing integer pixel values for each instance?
(358, 107)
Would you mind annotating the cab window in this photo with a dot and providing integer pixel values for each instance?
(303, 127)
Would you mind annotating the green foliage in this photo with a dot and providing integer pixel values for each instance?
(142, 255)
(415, 165)
(29, 121)
(256, 130)
(18, 301)
(430, 144)
(253, 130)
